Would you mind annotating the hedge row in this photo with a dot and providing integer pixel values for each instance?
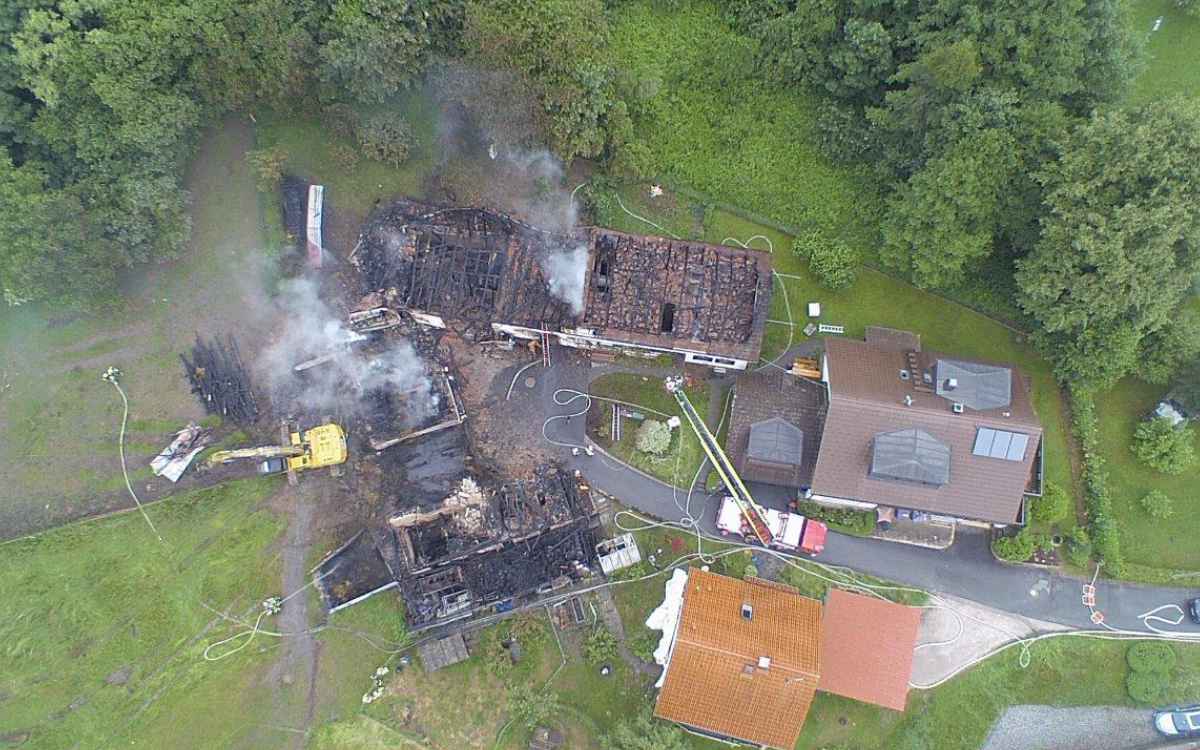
(845, 520)
(1102, 522)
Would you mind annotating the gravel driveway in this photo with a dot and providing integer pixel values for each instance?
(1086, 728)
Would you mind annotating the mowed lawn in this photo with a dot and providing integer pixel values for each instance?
(679, 464)
(102, 627)
(1172, 63)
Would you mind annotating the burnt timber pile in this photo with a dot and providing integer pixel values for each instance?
(472, 266)
(219, 379)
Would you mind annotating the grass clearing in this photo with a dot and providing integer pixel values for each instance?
(1144, 540)
(58, 452)
(312, 148)
(679, 464)
(104, 600)
(1170, 52)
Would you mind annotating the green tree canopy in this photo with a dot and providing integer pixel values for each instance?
(643, 732)
(1121, 245)
(1164, 446)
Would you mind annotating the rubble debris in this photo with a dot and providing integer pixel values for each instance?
(176, 457)
(219, 378)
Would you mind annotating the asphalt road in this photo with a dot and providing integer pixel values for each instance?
(967, 569)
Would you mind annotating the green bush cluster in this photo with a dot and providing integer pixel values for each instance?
(600, 647)
(1102, 523)
(385, 137)
(1157, 504)
(643, 644)
(845, 520)
(832, 261)
(1018, 548)
(1053, 506)
(1164, 446)
(653, 437)
(1150, 665)
(1079, 547)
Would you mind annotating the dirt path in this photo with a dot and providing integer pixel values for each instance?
(294, 675)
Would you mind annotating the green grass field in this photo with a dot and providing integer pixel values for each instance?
(89, 602)
(1170, 52)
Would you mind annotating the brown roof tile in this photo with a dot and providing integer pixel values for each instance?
(714, 682)
(867, 397)
(867, 648)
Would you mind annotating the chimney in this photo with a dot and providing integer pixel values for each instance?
(747, 612)
(957, 408)
(908, 400)
(951, 383)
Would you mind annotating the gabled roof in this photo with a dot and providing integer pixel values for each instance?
(867, 648)
(775, 441)
(974, 384)
(877, 390)
(751, 679)
(911, 455)
(760, 397)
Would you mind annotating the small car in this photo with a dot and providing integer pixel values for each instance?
(1179, 721)
(1193, 609)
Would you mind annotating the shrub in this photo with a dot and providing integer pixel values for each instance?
(528, 631)
(600, 647)
(750, 571)
(529, 707)
(1103, 528)
(1052, 506)
(1157, 504)
(637, 570)
(385, 137)
(653, 437)
(1146, 687)
(833, 262)
(643, 644)
(1161, 445)
(1079, 547)
(846, 520)
(1017, 548)
(1151, 656)
(268, 164)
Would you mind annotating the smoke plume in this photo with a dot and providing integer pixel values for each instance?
(343, 385)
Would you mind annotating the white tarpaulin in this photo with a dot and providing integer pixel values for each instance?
(665, 617)
(176, 457)
(313, 228)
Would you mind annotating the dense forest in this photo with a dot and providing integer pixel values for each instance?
(996, 129)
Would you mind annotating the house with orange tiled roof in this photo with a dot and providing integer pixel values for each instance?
(745, 660)
(748, 656)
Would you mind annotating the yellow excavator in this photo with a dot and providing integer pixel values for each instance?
(315, 448)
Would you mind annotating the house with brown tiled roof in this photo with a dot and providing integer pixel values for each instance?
(911, 430)
(747, 657)
(775, 425)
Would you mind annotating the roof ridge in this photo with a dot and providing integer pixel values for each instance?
(750, 658)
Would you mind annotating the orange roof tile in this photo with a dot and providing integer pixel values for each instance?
(717, 680)
(867, 648)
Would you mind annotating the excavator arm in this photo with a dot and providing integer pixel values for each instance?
(751, 510)
(265, 451)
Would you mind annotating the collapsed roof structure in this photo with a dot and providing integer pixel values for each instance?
(483, 273)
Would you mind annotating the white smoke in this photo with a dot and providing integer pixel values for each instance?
(565, 273)
(310, 329)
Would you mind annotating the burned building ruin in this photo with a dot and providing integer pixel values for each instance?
(486, 274)
(480, 546)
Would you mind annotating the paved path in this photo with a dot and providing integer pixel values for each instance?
(967, 569)
(1083, 728)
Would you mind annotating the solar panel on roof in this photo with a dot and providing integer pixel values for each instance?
(1003, 444)
(1016, 451)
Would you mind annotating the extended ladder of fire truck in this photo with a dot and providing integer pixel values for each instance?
(751, 510)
